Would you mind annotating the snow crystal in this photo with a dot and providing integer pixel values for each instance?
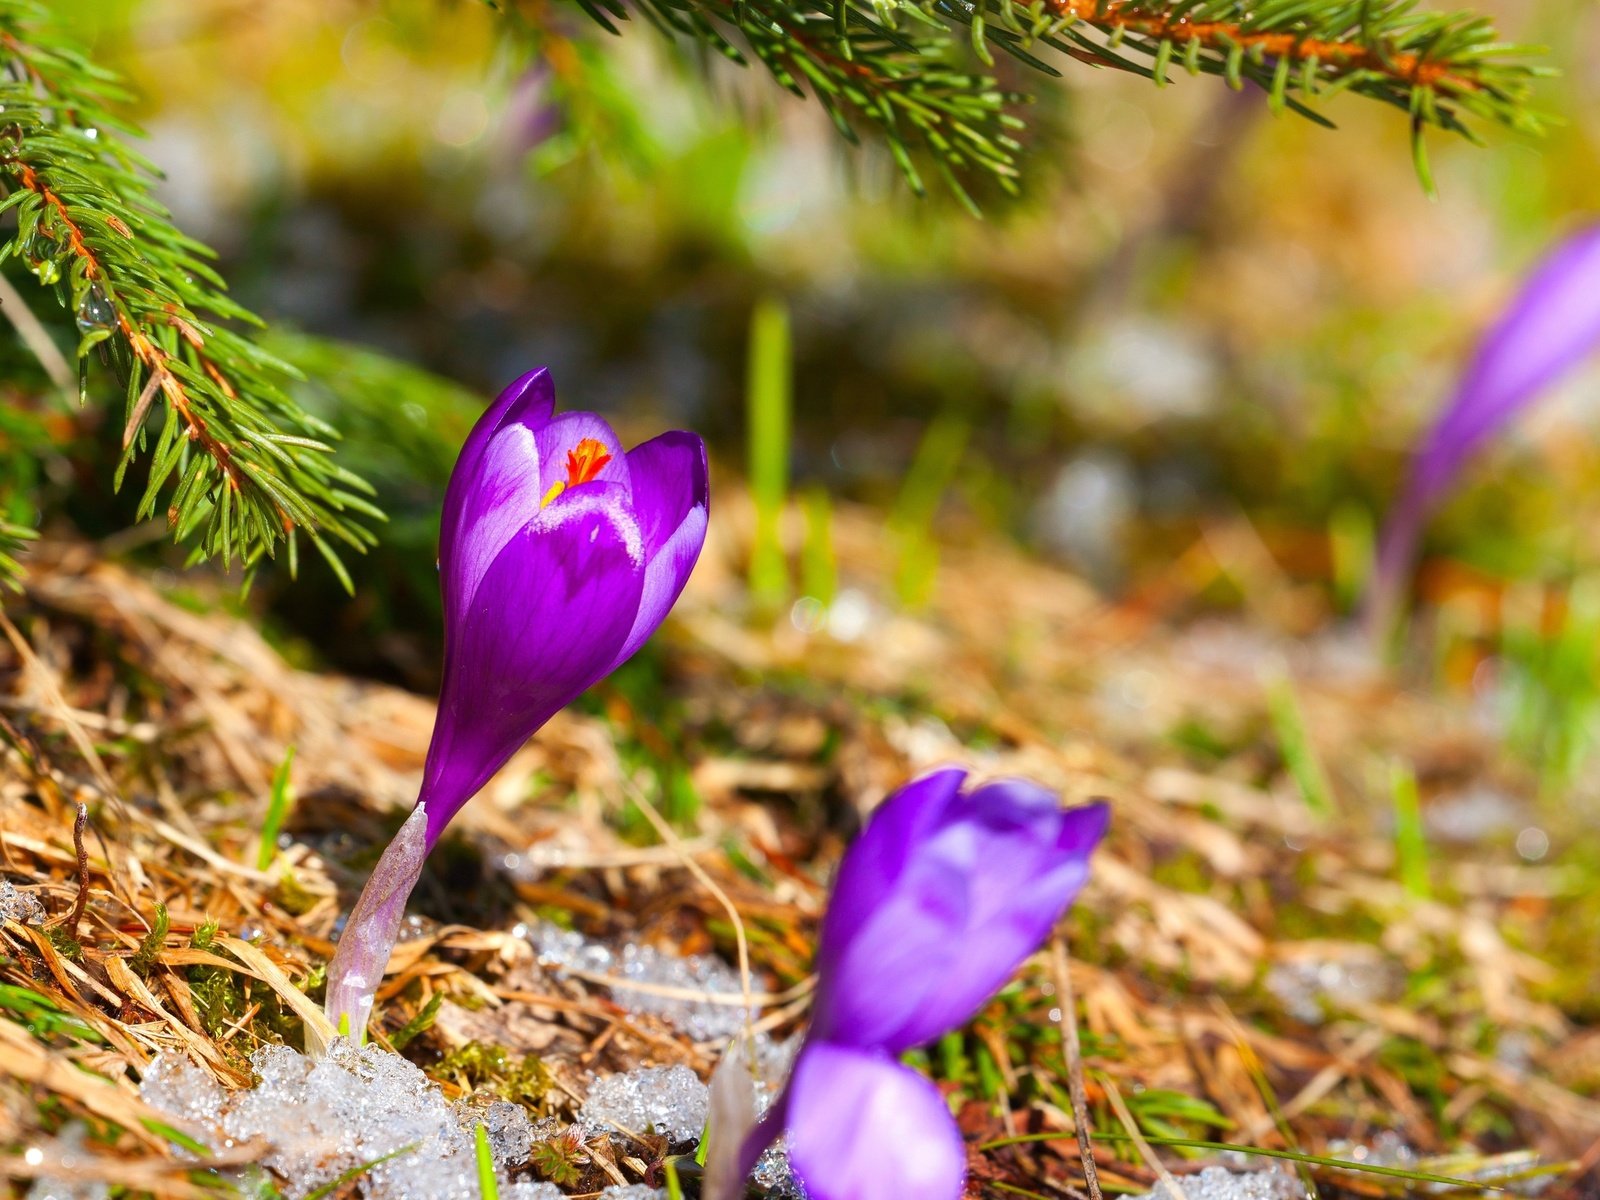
(775, 1177)
(66, 1152)
(1388, 1149)
(22, 907)
(1516, 1172)
(1307, 988)
(321, 1118)
(510, 1136)
(1474, 815)
(46, 1188)
(704, 1021)
(1084, 514)
(180, 1089)
(632, 1191)
(1219, 1183)
(670, 1100)
(675, 1103)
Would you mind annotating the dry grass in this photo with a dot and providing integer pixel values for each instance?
(1455, 1019)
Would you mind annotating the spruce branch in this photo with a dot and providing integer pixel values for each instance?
(1439, 67)
(242, 468)
(907, 82)
(13, 539)
(897, 64)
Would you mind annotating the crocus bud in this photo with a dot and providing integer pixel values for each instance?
(1551, 325)
(559, 554)
(937, 903)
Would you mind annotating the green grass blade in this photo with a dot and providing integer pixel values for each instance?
(488, 1185)
(355, 1172)
(277, 811)
(768, 399)
(1410, 838)
(1299, 755)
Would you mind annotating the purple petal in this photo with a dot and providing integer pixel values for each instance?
(503, 480)
(546, 622)
(872, 869)
(671, 500)
(863, 1127)
(670, 480)
(532, 114)
(528, 402)
(369, 935)
(1550, 327)
(980, 888)
(506, 498)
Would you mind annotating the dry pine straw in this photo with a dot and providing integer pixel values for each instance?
(167, 725)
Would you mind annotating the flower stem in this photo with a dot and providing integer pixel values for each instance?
(369, 935)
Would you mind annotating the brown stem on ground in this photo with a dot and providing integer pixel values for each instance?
(1074, 1054)
(78, 905)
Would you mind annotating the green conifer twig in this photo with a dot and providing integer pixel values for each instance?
(897, 64)
(13, 538)
(241, 466)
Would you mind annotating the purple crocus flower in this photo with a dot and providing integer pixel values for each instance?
(1550, 327)
(937, 903)
(559, 554)
(533, 114)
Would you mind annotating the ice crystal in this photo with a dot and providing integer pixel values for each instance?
(47, 1188)
(672, 1101)
(66, 1152)
(319, 1118)
(1219, 1183)
(675, 1103)
(562, 950)
(775, 1177)
(22, 907)
(1308, 989)
(1517, 1172)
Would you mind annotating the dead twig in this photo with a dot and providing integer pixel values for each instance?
(78, 826)
(1074, 1054)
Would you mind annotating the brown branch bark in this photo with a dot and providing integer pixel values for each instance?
(1132, 17)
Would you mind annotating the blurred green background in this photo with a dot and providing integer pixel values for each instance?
(1195, 310)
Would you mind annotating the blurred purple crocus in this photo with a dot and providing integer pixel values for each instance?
(1549, 328)
(532, 115)
(559, 554)
(937, 903)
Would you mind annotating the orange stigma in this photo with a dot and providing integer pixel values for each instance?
(584, 462)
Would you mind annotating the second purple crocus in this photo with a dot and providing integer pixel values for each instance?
(559, 554)
(1548, 329)
(945, 893)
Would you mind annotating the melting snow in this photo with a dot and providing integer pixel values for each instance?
(23, 907)
(668, 1100)
(319, 1119)
(1219, 1183)
(702, 1020)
